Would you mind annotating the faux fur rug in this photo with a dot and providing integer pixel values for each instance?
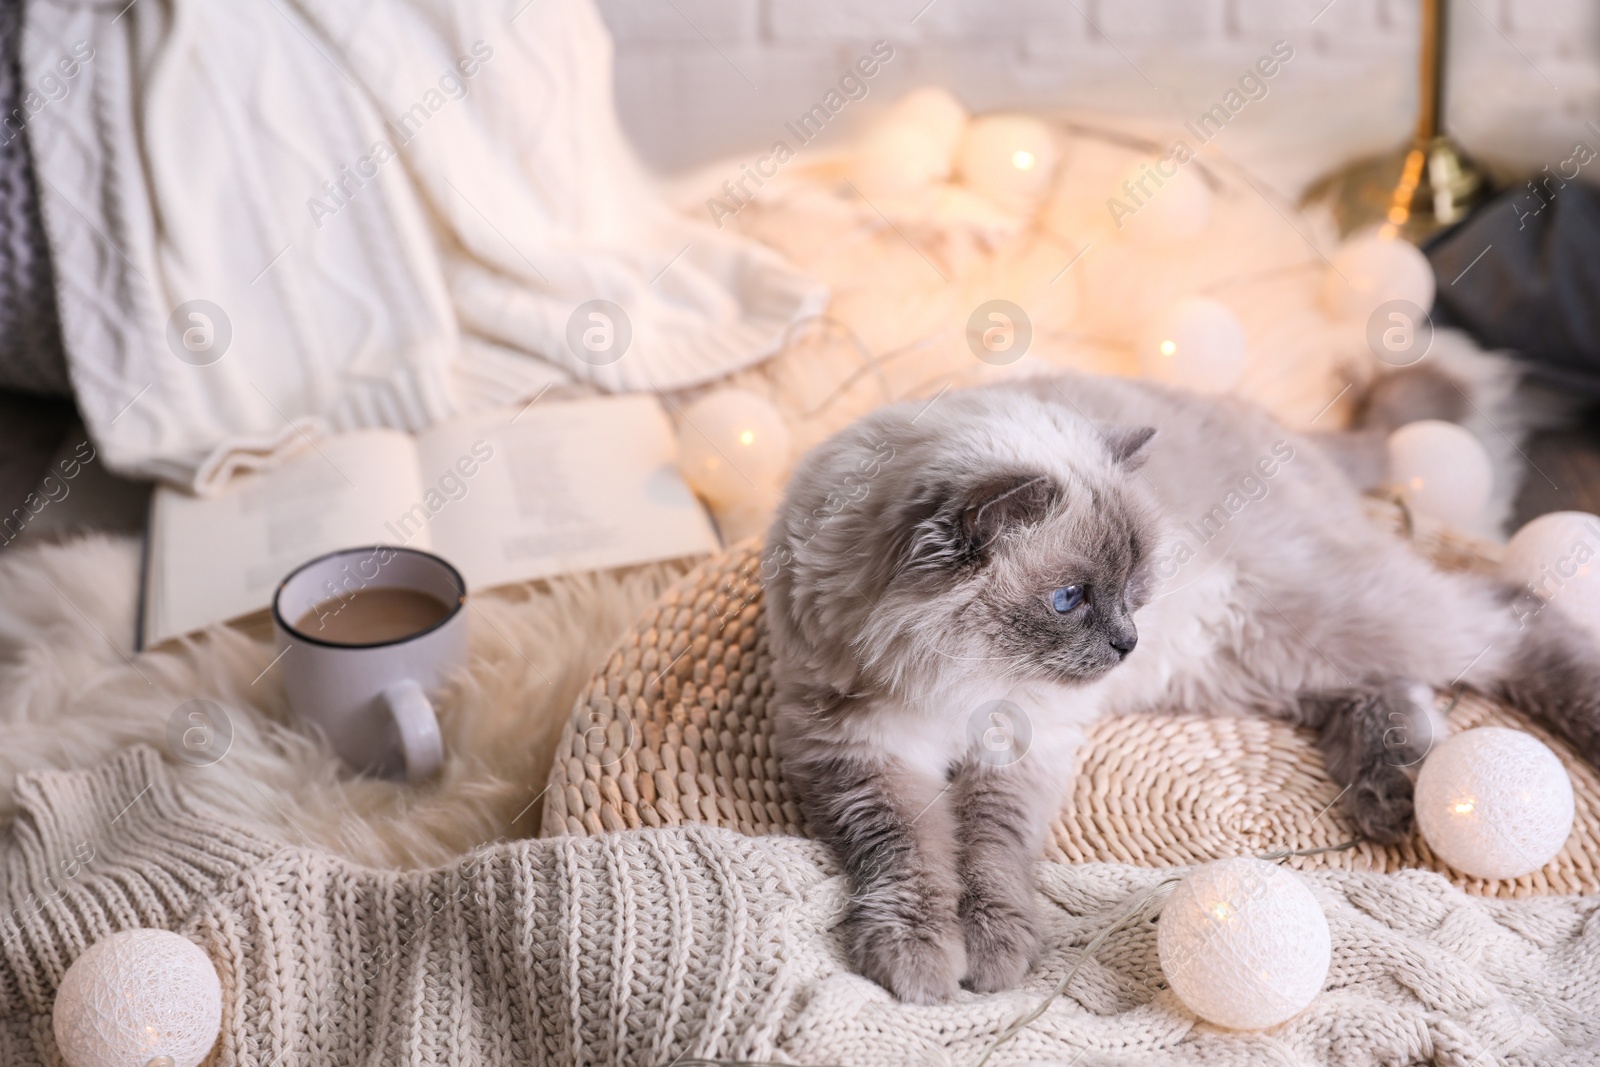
(73, 692)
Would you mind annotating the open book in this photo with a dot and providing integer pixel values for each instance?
(506, 496)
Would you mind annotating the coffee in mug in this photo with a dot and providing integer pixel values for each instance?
(365, 637)
(372, 616)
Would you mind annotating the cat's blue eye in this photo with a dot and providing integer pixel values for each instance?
(1066, 598)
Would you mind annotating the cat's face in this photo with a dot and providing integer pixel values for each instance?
(1057, 598)
(1025, 577)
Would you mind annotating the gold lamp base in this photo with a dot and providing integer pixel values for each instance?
(1410, 194)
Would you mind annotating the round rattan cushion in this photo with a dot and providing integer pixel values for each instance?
(674, 729)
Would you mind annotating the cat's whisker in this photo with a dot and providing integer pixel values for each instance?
(1016, 658)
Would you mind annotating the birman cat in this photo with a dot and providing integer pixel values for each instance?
(956, 590)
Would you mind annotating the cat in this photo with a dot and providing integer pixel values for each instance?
(957, 589)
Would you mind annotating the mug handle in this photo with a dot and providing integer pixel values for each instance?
(418, 727)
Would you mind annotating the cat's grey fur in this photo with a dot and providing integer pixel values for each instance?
(930, 700)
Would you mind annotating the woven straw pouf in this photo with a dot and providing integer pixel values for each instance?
(674, 729)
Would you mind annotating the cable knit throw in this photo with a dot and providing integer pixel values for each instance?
(637, 949)
(384, 214)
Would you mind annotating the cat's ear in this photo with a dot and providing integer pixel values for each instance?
(995, 504)
(954, 525)
(1128, 445)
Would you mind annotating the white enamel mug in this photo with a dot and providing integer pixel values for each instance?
(373, 701)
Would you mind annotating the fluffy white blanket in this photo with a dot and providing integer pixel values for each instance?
(73, 692)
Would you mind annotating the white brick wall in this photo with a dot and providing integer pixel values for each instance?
(1123, 23)
(654, 22)
(699, 79)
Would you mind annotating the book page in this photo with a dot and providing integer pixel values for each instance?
(217, 558)
(560, 486)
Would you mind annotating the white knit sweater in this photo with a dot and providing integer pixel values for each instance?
(640, 948)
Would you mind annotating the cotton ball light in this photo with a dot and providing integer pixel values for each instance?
(912, 147)
(1373, 270)
(1442, 471)
(1008, 158)
(137, 998)
(1166, 208)
(1494, 803)
(733, 447)
(1557, 558)
(1243, 943)
(1194, 343)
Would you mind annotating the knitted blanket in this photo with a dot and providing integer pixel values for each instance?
(276, 220)
(653, 946)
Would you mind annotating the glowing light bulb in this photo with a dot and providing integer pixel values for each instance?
(1196, 343)
(1373, 270)
(139, 997)
(733, 447)
(1551, 558)
(1243, 943)
(1494, 803)
(1009, 159)
(1445, 471)
(912, 147)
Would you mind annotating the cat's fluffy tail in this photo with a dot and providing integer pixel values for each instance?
(1552, 675)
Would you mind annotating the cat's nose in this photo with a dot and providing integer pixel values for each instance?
(1124, 643)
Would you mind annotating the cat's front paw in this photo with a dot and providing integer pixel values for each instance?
(920, 961)
(1380, 803)
(1002, 943)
